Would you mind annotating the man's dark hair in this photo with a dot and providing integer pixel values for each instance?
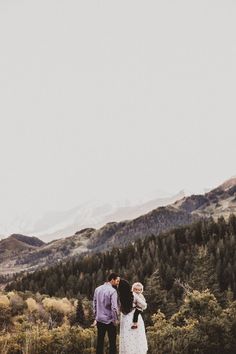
(112, 276)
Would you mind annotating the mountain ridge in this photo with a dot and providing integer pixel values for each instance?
(220, 201)
(57, 224)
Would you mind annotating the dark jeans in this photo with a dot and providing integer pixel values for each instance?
(135, 316)
(111, 330)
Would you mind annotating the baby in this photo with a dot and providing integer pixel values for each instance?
(139, 302)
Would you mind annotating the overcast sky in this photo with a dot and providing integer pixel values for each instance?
(114, 99)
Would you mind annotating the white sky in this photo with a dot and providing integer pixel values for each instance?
(114, 99)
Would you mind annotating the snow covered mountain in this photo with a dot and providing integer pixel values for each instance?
(57, 224)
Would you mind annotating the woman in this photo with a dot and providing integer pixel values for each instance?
(132, 341)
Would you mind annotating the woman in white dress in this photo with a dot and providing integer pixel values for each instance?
(132, 341)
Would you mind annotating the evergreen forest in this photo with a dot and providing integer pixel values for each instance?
(189, 277)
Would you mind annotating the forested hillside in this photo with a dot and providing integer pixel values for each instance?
(202, 254)
(189, 275)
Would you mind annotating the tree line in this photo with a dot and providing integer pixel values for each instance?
(202, 254)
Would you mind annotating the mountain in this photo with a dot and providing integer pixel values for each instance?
(28, 240)
(220, 201)
(52, 225)
(14, 246)
(17, 243)
(17, 256)
(122, 233)
(92, 240)
(94, 214)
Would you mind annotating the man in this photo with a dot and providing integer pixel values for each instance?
(105, 307)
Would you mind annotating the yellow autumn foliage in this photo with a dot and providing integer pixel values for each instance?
(63, 306)
(4, 301)
(32, 304)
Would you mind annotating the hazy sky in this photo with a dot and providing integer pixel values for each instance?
(114, 99)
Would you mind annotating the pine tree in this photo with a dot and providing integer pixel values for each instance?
(80, 317)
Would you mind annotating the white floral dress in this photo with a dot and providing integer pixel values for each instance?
(132, 341)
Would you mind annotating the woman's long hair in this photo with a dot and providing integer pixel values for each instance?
(126, 296)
